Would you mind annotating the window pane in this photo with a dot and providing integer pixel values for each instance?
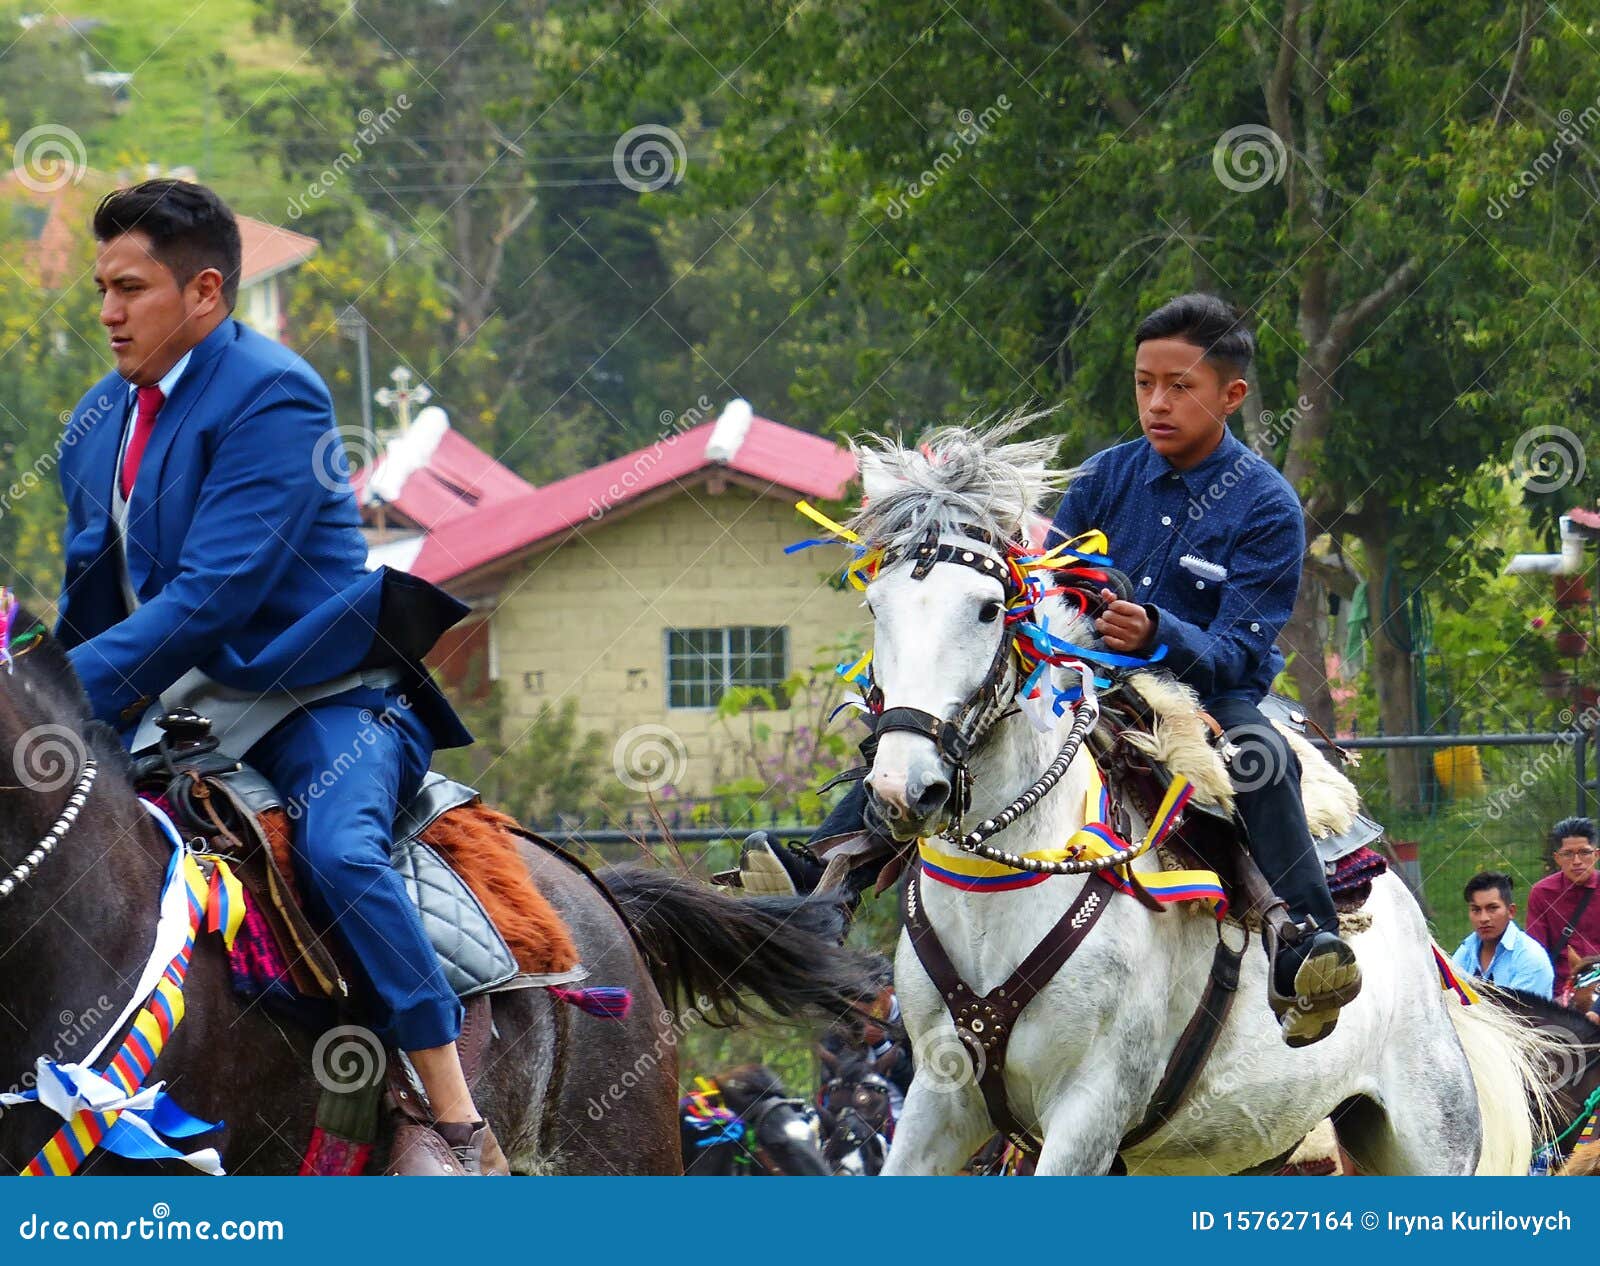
(703, 663)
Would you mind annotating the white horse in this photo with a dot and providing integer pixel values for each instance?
(1418, 1082)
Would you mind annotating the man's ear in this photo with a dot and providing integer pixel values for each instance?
(1234, 393)
(206, 287)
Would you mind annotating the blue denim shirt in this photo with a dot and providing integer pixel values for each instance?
(1215, 552)
(1519, 962)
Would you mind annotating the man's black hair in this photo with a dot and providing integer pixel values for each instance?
(190, 228)
(1217, 328)
(1486, 879)
(1570, 827)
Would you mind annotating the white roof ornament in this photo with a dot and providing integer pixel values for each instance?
(729, 432)
(407, 453)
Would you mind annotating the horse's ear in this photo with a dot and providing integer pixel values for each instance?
(830, 1061)
(1574, 959)
(879, 473)
(886, 1061)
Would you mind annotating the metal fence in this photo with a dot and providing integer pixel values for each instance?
(1484, 801)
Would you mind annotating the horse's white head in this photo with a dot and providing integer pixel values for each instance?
(938, 628)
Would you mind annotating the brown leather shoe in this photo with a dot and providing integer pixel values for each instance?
(448, 1149)
(474, 1147)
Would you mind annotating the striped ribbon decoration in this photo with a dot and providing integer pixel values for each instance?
(1094, 839)
(71, 1144)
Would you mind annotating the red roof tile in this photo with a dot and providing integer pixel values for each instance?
(778, 455)
(264, 248)
(459, 479)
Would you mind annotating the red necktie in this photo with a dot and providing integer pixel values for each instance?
(150, 401)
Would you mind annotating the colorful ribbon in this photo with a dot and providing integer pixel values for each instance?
(113, 1109)
(1092, 840)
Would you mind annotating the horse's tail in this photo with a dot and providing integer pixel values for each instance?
(1510, 1060)
(716, 953)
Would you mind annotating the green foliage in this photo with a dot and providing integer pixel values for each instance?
(537, 772)
(769, 770)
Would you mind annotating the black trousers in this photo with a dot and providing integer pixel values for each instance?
(1266, 777)
(1267, 791)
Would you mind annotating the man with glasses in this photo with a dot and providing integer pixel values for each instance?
(1563, 914)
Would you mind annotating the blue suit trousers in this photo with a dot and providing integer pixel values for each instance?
(344, 765)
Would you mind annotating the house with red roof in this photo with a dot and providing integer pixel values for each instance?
(641, 589)
(55, 224)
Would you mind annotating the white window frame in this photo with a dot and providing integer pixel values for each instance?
(722, 659)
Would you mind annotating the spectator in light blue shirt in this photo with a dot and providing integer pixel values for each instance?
(1497, 950)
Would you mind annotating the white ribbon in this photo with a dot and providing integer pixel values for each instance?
(68, 1089)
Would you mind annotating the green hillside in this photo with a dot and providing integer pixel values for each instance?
(188, 60)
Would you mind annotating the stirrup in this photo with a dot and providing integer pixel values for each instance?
(1312, 1011)
(760, 871)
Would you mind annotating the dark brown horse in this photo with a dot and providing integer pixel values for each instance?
(1573, 1063)
(566, 1092)
(757, 1128)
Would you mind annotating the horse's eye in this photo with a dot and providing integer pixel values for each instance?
(990, 612)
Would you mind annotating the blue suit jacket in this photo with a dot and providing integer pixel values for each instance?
(244, 544)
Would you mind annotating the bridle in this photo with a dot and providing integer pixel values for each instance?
(958, 737)
(12, 650)
(757, 1115)
(867, 1112)
(989, 703)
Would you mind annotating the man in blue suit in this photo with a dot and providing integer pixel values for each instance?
(214, 558)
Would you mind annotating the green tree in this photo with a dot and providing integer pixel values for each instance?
(1018, 183)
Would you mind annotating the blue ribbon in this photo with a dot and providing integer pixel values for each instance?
(1049, 642)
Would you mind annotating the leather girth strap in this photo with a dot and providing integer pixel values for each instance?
(1194, 1045)
(985, 1024)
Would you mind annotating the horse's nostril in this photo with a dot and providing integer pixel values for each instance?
(933, 794)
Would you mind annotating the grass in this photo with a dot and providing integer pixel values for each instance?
(1502, 827)
(182, 53)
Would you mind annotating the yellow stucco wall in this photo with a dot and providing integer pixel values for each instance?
(586, 620)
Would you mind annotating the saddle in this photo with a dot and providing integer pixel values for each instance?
(490, 926)
(1211, 834)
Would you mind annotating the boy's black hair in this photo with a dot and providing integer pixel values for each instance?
(1485, 879)
(190, 228)
(1568, 827)
(1217, 328)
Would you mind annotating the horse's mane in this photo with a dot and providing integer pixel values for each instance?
(1543, 1009)
(56, 697)
(955, 477)
(752, 1083)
